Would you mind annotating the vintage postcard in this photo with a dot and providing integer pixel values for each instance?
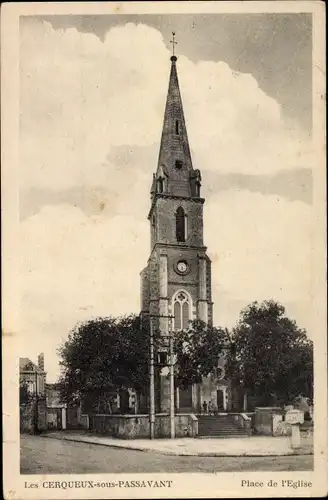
(164, 250)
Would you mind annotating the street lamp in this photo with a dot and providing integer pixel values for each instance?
(162, 354)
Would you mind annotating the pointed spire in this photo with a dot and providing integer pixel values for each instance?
(174, 162)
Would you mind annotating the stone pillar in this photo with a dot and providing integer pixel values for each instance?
(245, 402)
(194, 398)
(200, 396)
(163, 298)
(177, 395)
(225, 397)
(64, 419)
(202, 301)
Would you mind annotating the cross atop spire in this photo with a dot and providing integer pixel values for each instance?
(173, 43)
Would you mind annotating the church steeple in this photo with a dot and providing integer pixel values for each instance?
(176, 283)
(175, 174)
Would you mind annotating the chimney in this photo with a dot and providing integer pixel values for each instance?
(41, 361)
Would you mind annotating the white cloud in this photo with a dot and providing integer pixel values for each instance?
(74, 267)
(80, 98)
(261, 248)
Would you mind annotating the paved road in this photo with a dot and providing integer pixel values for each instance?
(40, 455)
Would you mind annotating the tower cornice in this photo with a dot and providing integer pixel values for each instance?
(179, 246)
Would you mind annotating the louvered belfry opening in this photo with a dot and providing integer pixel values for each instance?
(180, 225)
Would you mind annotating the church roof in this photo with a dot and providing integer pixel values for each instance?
(26, 365)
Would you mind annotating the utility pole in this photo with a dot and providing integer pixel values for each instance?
(151, 383)
(152, 376)
(172, 415)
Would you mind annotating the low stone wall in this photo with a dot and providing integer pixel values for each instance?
(251, 415)
(244, 422)
(271, 422)
(263, 422)
(28, 414)
(137, 426)
(84, 421)
(280, 427)
(27, 418)
(307, 438)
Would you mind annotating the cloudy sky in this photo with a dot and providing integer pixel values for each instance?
(92, 96)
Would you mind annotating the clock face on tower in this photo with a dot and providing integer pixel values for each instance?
(182, 267)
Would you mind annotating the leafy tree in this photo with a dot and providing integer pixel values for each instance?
(102, 356)
(197, 350)
(269, 356)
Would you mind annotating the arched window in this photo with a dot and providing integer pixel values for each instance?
(160, 183)
(180, 225)
(181, 308)
(177, 127)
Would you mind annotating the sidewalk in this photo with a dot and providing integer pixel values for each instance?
(255, 446)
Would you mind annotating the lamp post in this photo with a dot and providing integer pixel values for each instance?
(152, 376)
(151, 383)
(172, 416)
(170, 363)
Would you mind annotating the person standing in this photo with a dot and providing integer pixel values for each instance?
(205, 407)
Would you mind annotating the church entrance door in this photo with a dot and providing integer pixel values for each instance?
(220, 400)
(124, 401)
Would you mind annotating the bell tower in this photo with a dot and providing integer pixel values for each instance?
(177, 279)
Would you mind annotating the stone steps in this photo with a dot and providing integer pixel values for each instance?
(219, 426)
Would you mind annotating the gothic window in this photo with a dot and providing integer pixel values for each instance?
(178, 164)
(177, 316)
(185, 315)
(180, 225)
(177, 127)
(181, 311)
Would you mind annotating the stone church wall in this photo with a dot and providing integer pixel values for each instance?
(145, 291)
(153, 284)
(190, 255)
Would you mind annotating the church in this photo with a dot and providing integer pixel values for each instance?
(176, 283)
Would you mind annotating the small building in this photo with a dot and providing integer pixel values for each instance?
(32, 382)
